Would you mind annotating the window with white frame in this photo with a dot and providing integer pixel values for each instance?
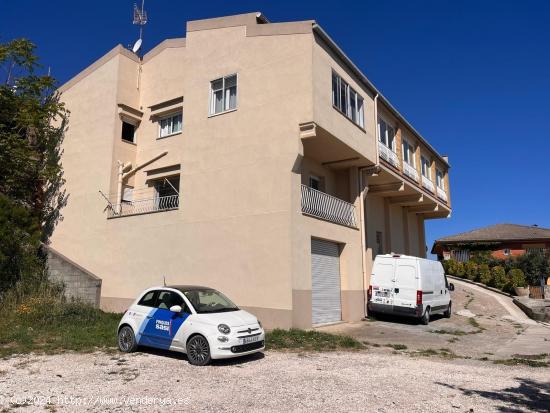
(386, 134)
(223, 94)
(426, 172)
(439, 181)
(408, 153)
(347, 100)
(170, 125)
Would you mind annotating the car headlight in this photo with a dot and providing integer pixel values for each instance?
(224, 329)
(260, 323)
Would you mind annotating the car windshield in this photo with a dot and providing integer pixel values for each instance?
(209, 301)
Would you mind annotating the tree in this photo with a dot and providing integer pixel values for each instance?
(32, 125)
(534, 264)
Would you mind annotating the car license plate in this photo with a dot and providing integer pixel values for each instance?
(252, 339)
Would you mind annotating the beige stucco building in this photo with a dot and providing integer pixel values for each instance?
(249, 156)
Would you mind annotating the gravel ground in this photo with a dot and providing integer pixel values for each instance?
(352, 381)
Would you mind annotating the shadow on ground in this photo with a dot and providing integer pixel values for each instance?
(223, 362)
(391, 318)
(528, 394)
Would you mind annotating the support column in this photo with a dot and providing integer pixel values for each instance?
(387, 226)
(406, 239)
(421, 237)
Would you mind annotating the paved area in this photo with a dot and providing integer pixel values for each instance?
(363, 381)
(484, 324)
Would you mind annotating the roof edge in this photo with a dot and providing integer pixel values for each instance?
(342, 55)
(115, 51)
(165, 44)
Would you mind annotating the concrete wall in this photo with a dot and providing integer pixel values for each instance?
(79, 283)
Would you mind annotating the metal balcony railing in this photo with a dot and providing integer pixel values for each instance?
(388, 155)
(441, 194)
(143, 206)
(328, 207)
(428, 184)
(410, 171)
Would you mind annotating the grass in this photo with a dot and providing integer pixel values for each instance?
(451, 332)
(302, 340)
(442, 352)
(516, 361)
(49, 326)
(396, 346)
(468, 302)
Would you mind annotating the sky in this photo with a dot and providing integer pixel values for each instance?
(473, 77)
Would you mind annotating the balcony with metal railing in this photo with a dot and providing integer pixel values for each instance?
(321, 205)
(428, 184)
(144, 206)
(388, 155)
(441, 194)
(410, 171)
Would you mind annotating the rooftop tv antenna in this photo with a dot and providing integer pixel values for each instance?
(140, 19)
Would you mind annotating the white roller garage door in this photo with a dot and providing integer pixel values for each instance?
(325, 280)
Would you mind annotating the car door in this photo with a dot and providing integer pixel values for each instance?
(141, 313)
(163, 325)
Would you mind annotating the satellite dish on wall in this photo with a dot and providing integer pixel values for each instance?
(137, 46)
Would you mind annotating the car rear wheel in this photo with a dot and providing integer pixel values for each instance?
(426, 317)
(447, 312)
(127, 340)
(198, 351)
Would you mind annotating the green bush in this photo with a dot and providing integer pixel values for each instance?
(484, 274)
(471, 270)
(498, 277)
(534, 264)
(460, 270)
(449, 266)
(516, 278)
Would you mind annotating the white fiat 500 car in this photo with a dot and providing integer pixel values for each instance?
(198, 321)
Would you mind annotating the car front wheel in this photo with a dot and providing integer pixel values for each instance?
(198, 351)
(127, 340)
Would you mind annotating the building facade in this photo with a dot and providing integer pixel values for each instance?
(503, 240)
(249, 156)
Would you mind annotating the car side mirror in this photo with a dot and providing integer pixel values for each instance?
(176, 309)
(451, 287)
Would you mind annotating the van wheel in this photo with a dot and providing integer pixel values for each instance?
(447, 312)
(426, 317)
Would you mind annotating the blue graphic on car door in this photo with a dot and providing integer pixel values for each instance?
(160, 327)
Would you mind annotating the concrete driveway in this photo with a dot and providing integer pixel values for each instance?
(484, 324)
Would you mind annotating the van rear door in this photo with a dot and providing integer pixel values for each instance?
(382, 281)
(406, 284)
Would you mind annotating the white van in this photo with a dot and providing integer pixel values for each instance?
(409, 286)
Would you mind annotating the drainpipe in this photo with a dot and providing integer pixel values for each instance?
(376, 128)
(363, 238)
(362, 209)
(121, 169)
(124, 172)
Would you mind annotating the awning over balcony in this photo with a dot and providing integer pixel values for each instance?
(328, 150)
